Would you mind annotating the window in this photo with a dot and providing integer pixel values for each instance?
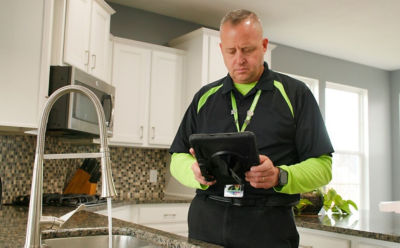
(346, 121)
(346, 118)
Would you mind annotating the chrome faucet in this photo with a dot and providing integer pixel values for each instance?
(35, 218)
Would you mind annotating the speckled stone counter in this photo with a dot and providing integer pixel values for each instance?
(375, 225)
(381, 226)
(13, 221)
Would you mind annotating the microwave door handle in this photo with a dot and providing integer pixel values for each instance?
(111, 125)
(111, 114)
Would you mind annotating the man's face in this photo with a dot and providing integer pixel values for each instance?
(243, 49)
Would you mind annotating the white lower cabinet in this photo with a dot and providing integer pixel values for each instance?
(316, 240)
(168, 217)
(310, 238)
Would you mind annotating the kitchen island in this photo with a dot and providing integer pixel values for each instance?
(382, 227)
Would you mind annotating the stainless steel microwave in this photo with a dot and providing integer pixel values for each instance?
(74, 114)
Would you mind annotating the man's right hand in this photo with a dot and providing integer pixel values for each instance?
(197, 173)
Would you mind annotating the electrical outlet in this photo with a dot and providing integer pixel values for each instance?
(153, 176)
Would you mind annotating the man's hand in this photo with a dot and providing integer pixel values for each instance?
(265, 175)
(197, 173)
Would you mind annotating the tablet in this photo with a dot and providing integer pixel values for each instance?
(225, 157)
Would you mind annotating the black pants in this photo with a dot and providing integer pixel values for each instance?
(242, 226)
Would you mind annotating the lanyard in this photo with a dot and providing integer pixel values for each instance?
(250, 112)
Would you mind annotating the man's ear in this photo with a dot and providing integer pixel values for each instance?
(265, 44)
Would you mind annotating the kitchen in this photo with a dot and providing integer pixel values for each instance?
(18, 150)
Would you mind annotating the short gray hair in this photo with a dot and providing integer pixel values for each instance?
(237, 16)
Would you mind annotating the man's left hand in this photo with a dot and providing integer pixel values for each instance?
(264, 176)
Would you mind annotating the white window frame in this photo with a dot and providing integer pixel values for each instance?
(312, 83)
(363, 140)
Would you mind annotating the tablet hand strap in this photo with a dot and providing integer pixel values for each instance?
(228, 164)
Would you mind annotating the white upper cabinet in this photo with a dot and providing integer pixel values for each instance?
(24, 62)
(204, 60)
(148, 81)
(131, 77)
(99, 41)
(85, 40)
(216, 67)
(205, 63)
(77, 26)
(165, 92)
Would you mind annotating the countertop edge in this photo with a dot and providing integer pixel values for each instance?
(349, 231)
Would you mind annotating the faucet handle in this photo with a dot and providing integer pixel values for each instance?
(57, 222)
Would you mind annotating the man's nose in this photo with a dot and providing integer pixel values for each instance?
(240, 58)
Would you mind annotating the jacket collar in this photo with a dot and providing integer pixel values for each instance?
(265, 82)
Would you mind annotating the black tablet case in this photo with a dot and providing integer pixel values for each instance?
(225, 156)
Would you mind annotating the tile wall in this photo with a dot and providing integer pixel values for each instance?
(130, 167)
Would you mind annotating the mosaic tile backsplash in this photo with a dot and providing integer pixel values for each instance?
(130, 167)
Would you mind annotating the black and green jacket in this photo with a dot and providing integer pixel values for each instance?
(287, 123)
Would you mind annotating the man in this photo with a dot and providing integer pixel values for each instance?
(291, 138)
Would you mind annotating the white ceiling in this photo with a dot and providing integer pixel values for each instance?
(362, 31)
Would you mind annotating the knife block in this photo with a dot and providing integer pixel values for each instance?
(85, 179)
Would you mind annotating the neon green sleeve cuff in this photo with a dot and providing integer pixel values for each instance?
(307, 175)
(181, 170)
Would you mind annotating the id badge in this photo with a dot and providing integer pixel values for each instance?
(233, 190)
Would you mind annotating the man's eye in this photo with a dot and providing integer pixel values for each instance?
(231, 51)
(248, 50)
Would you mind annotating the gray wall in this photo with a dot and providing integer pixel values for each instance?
(153, 28)
(395, 91)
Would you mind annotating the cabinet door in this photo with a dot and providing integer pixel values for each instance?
(77, 27)
(308, 240)
(131, 78)
(22, 50)
(99, 40)
(216, 65)
(165, 95)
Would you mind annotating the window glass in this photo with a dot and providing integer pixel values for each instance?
(342, 118)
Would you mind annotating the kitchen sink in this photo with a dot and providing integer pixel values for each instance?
(118, 241)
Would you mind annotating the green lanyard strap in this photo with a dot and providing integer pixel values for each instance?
(250, 112)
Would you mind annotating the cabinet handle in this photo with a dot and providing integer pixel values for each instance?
(153, 129)
(141, 132)
(87, 57)
(169, 215)
(94, 61)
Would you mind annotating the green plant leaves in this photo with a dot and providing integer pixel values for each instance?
(334, 202)
(301, 205)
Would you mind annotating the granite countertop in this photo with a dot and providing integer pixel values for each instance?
(13, 221)
(367, 224)
(381, 226)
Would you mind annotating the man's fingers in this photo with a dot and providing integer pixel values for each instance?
(199, 177)
(191, 150)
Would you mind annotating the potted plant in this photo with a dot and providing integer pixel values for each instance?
(311, 203)
(334, 202)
